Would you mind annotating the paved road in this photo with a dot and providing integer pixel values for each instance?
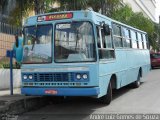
(145, 99)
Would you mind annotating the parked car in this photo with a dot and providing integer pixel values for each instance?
(155, 60)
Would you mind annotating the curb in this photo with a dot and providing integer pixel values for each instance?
(24, 104)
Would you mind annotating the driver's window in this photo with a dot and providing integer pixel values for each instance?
(105, 44)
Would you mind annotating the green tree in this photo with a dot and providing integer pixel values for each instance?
(111, 8)
(23, 7)
(123, 14)
(107, 7)
(126, 15)
(70, 5)
(138, 20)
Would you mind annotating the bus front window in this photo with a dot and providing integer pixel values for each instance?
(37, 44)
(74, 42)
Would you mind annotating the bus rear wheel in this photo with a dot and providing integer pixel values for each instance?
(137, 83)
(106, 99)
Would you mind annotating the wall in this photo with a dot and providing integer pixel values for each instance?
(5, 78)
(6, 43)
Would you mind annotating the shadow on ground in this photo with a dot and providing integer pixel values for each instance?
(71, 108)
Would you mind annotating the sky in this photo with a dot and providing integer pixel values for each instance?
(158, 10)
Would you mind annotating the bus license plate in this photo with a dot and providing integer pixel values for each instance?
(53, 92)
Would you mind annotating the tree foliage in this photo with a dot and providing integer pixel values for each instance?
(24, 7)
(123, 14)
(138, 20)
(111, 8)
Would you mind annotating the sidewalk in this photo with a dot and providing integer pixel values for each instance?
(17, 104)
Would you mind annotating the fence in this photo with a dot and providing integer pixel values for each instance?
(9, 29)
(7, 39)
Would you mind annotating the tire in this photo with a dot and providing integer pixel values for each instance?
(106, 99)
(137, 83)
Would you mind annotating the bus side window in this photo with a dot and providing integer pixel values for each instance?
(137, 39)
(105, 45)
(117, 36)
(134, 42)
(126, 37)
(140, 40)
(145, 42)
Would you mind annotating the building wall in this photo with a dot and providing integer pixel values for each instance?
(5, 78)
(147, 7)
(6, 43)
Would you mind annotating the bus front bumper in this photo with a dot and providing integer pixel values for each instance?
(61, 91)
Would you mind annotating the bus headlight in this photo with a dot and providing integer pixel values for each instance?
(78, 76)
(30, 77)
(24, 77)
(85, 76)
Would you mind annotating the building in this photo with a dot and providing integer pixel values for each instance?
(147, 7)
(5, 9)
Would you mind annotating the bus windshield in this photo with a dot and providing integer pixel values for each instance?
(37, 44)
(74, 42)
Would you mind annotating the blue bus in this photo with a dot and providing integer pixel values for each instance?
(81, 53)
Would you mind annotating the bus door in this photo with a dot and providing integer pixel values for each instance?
(106, 52)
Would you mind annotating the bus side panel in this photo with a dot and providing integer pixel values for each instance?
(147, 67)
(108, 68)
(103, 84)
(137, 59)
(126, 67)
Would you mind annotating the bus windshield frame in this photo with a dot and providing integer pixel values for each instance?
(79, 31)
(34, 41)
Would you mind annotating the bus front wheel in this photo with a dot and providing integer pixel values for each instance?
(106, 99)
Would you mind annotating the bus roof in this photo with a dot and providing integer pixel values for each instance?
(72, 15)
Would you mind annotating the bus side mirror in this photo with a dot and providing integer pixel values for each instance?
(106, 29)
(18, 48)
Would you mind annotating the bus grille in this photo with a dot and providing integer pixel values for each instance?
(53, 77)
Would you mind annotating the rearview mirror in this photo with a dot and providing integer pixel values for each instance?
(106, 29)
(17, 41)
(18, 48)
